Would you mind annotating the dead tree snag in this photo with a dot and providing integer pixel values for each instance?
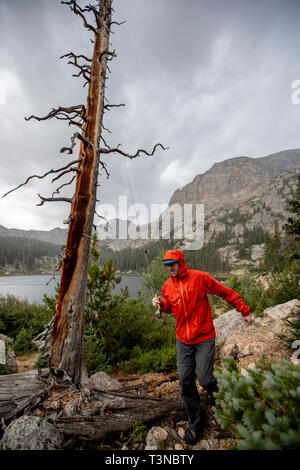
(67, 351)
(64, 343)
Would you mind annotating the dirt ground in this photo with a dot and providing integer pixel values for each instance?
(27, 361)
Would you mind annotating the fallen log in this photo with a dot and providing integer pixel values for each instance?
(95, 428)
(18, 391)
(89, 414)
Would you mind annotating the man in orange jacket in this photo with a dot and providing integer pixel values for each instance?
(185, 296)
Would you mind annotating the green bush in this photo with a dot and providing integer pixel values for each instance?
(262, 409)
(292, 326)
(286, 284)
(158, 360)
(23, 342)
(18, 316)
(139, 431)
(155, 279)
(95, 358)
(252, 295)
(41, 362)
(22, 321)
(132, 327)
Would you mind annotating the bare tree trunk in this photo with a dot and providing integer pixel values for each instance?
(67, 349)
(64, 335)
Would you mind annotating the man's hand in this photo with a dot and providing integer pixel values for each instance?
(248, 319)
(156, 301)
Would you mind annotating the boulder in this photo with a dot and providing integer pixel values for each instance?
(257, 251)
(31, 433)
(282, 311)
(228, 324)
(178, 447)
(233, 333)
(155, 436)
(249, 342)
(103, 381)
(9, 357)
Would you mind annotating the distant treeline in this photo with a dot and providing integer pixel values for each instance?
(135, 259)
(206, 259)
(18, 251)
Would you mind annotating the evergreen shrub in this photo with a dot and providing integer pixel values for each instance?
(292, 327)
(23, 342)
(286, 284)
(262, 410)
(158, 360)
(95, 358)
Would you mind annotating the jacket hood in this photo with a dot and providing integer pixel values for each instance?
(177, 256)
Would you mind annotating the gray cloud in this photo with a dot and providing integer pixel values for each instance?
(210, 79)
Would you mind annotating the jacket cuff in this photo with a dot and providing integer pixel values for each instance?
(246, 311)
(165, 307)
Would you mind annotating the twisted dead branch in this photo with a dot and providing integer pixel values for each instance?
(43, 176)
(137, 154)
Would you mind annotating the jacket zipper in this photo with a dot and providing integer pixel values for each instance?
(187, 326)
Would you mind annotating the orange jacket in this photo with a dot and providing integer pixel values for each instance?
(185, 297)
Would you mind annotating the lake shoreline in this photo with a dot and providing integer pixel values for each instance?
(33, 287)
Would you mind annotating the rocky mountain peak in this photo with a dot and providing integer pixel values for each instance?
(235, 180)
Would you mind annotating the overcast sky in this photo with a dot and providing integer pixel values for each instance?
(210, 79)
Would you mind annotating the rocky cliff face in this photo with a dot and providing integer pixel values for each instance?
(258, 212)
(229, 183)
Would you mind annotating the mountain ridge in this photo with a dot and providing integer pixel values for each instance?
(236, 179)
(226, 186)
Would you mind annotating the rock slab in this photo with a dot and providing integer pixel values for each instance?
(155, 436)
(103, 381)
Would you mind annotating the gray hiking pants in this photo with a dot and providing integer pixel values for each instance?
(195, 360)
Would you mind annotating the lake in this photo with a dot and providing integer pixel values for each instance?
(33, 287)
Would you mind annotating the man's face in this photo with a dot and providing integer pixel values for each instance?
(173, 268)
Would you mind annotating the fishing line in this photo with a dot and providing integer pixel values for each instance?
(138, 229)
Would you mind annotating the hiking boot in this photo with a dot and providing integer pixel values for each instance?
(211, 401)
(191, 437)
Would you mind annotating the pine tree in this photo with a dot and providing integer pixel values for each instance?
(273, 258)
(293, 206)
